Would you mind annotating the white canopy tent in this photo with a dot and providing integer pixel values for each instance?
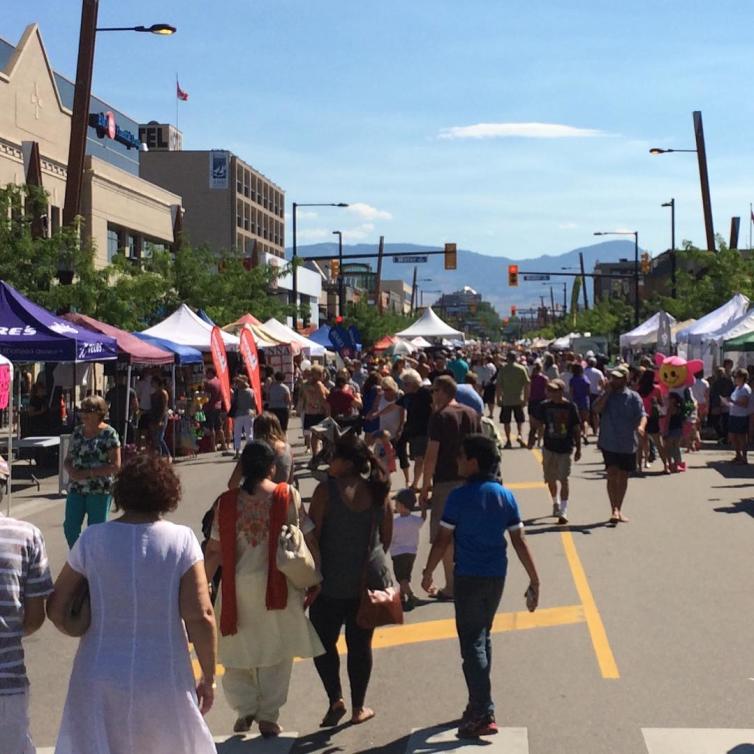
(693, 341)
(286, 334)
(742, 326)
(186, 328)
(645, 334)
(421, 343)
(429, 325)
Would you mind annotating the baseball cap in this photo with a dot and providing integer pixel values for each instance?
(406, 497)
(621, 372)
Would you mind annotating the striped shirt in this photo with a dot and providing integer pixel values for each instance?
(24, 573)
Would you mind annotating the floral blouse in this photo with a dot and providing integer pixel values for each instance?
(89, 453)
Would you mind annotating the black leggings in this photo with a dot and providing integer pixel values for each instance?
(328, 616)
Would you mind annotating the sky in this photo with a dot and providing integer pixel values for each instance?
(509, 127)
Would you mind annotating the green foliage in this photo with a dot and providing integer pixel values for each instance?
(372, 325)
(128, 294)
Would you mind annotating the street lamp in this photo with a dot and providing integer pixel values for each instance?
(294, 271)
(81, 99)
(671, 204)
(341, 297)
(701, 153)
(635, 234)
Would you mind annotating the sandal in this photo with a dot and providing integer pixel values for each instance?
(269, 730)
(334, 715)
(243, 724)
(441, 596)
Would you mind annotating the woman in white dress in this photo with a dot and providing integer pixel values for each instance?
(132, 687)
(262, 620)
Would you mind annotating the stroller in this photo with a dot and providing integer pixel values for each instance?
(328, 431)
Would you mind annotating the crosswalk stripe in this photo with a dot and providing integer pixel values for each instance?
(698, 740)
(443, 738)
(237, 744)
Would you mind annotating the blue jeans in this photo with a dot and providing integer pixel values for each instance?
(476, 602)
(94, 507)
(158, 437)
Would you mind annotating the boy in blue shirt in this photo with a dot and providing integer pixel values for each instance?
(475, 520)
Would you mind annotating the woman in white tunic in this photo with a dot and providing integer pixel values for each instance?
(268, 629)
(132, 687)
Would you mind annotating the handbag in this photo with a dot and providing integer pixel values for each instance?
(294, 559)
(78, 614)
(381, 606)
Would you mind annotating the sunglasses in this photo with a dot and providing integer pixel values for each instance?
(89, 411)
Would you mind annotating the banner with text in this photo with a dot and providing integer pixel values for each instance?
(250, 357)
(220, 362)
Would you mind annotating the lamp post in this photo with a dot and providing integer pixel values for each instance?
(635, 234)
(341, 302)
(82, 97)
(294, 271)
(701, 152)
(671, 204)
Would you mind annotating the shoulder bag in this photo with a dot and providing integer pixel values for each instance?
(381, 606)
(78, 614)
(293, 558)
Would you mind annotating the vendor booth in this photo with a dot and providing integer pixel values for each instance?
(692, 341)
(187, 328)
(429, 325)
(645, 335)
(286, 335)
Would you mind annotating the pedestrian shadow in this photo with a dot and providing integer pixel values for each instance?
(742, 506)
(728, 470)
(319, 741)
(240, 744)
(544, 525)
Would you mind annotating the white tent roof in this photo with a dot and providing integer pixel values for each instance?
(645, 333)
(429, 325)
(186, 328)
(421, 343)
(286, 334)
(715, 321)
(741, 326)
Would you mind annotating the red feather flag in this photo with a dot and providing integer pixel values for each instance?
(183, 96)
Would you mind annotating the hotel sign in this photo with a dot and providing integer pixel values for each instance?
(105, 126)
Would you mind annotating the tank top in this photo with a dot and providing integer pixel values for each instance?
(343, 544)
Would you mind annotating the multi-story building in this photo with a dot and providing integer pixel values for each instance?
(459, 304)
(399, 296)
(121, 211)
(229, 204)
(618, 283)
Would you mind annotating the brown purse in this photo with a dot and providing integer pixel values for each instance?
(378, 607)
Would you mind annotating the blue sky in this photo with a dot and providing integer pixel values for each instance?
(380, 105)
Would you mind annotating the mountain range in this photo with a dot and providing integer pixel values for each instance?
(486, 274)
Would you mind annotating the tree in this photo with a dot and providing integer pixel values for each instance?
(372, 325)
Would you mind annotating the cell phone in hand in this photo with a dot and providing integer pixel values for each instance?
(531, 600)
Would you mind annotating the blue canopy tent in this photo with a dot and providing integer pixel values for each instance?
(183, 354)
(321, 337)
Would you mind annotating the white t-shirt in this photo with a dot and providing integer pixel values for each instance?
(738, 393)
(484, 373)
(700, 391)
(596, 380)
(405, 535)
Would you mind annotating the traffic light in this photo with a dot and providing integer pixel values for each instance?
(646, 262)
(451, 257)
(334, 269)
(513, 275)
(513, 310)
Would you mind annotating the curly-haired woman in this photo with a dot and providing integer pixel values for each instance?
(132, 686)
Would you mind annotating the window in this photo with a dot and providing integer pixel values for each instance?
(239, 213)
(54, 219)
(113, 243)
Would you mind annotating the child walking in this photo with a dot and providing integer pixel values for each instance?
(674, 433)
(405, 543)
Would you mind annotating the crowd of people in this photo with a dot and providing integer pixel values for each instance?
(142, 579)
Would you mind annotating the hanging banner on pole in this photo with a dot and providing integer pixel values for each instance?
(250, 357)
(220, 362)
(342, 341)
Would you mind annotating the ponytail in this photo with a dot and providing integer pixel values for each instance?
(355, 451)
(257, 459)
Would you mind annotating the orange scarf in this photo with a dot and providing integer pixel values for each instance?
(276, 597)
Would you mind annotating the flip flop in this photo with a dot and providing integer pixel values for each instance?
(440, 596)
(333, 717)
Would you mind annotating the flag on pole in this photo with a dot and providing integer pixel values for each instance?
(751, 212)
(183, 96)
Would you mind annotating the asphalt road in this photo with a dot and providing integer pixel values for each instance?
(642, 642)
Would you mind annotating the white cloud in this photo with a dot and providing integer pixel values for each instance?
(568, 226)
(358, 233)
(314, 234)
(517, 130)
(367, 212)
(306, 214)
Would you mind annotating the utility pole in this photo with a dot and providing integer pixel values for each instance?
(378, 283)
(701, 153)
(583, 281)
(413, 292)
(552, 303)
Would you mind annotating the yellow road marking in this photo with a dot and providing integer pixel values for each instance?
(601, 645)
(525, 485)
(537, 454)
(439, 630)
